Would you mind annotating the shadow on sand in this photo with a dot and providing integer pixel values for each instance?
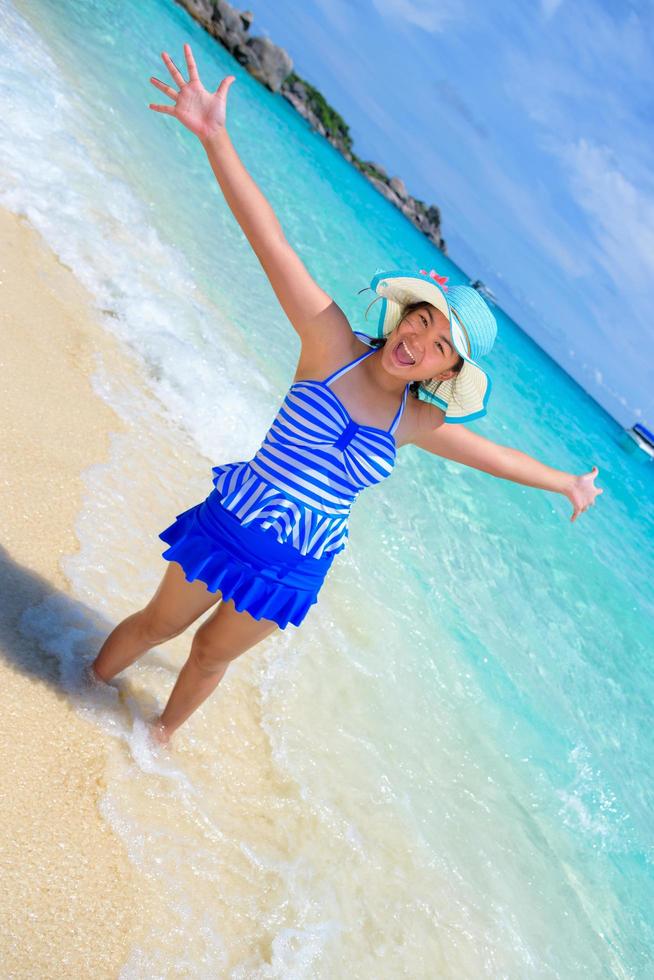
(49, 635)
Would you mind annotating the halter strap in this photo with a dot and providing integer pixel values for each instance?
(398, 414)
(347, 367)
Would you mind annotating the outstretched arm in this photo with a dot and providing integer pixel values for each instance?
(204, 114)
(467, 447)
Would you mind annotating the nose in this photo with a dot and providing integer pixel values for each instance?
(415, 342)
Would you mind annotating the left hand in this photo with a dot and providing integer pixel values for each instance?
(582, 492)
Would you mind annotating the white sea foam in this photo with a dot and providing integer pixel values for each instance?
(142, 286)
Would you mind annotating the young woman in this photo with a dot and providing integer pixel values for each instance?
(265, 537)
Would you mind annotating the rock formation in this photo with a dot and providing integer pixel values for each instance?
(268, 63)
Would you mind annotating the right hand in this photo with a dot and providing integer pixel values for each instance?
(203, 112)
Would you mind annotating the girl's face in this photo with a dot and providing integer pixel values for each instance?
(420, 348)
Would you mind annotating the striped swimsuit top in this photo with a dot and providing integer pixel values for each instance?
(312, 464)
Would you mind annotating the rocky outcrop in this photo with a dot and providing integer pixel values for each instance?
(313, 107)
(268, 63)
(272, 66)
(295, 92)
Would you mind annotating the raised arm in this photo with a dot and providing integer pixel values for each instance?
(460, 444)
(204, 113)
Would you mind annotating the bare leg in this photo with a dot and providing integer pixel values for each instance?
(175, 605)
(223, 637)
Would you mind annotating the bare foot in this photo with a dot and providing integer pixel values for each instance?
(92, 678)
(159, 733)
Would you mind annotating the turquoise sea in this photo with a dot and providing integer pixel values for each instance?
(448, 771)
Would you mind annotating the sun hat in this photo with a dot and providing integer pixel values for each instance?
(472, 327)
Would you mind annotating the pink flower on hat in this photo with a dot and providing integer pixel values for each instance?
(441, 280)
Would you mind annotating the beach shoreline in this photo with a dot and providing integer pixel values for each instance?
(73, 904)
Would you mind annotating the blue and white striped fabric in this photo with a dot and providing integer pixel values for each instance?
(311, 466)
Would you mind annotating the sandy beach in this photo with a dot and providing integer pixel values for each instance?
(71, 902)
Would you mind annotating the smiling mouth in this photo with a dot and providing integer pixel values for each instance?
(403, 355)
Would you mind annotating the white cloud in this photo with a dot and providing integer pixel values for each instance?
(430, 15)
(597, 69)
(621, 214)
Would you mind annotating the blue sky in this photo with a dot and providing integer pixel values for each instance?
(530, 125)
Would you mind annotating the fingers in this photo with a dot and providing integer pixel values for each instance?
(167, 109)
(166, 89)
(582, 510)
(579, 510)
(178, 78)
(225, 85)
(190, 63)
(596, 491)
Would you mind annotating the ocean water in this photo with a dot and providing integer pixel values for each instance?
(447, 772)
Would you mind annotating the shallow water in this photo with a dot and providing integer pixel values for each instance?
(448, 770)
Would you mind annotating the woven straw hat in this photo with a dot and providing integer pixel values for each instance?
(472, 327)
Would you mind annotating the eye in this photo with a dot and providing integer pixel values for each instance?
(423, 319)
(439, 345)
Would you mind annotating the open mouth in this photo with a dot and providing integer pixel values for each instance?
(403, 355)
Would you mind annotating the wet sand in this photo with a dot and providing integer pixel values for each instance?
(71, 903)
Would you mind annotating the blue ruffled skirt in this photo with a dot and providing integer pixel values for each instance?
(266, 578)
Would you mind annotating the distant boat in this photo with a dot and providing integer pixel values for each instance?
(643, 438)
(482, 288)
